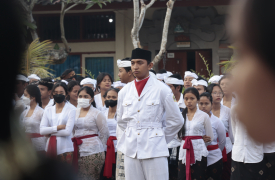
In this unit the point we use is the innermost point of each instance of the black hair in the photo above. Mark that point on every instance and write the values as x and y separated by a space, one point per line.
70 86
65 73
162 71
88 91
225 76
194 91
34 91
60 84
151 70
127 69
111 89
201 78
258 31
208 95
79 78
68 80
46 82
211 87
100 78
177 76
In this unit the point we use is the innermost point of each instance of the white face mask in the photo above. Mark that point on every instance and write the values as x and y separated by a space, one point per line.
83 103
26 101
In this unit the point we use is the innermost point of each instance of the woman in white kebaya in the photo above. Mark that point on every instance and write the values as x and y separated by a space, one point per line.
90 136
111 97
57 123
214 158
228 99
223 113
188 77
248 159
104 82
193 152
73 88
31 117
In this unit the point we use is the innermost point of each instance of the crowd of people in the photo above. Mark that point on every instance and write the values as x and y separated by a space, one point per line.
147 126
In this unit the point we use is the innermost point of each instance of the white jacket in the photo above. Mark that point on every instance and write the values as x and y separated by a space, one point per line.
141 120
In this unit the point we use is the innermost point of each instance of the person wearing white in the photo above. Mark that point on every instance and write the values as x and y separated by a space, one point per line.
162 75
90 136
197 124
248 160
88 82
33 77
201 85
57 123
118 84
104 82
226 84
141 105
21 83
125 75
223 113
45 86
214 158
31 117
175 82
188 77
215 79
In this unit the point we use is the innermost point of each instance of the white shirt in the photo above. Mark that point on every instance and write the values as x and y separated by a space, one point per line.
49 124
98 103
176 141
141 120
112 125
269 147
245 149
233 101
200 125
226 120
50 104
32 125
219 133
93 123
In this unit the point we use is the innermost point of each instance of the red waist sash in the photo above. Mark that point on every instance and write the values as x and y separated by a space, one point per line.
52 151
224 155
212 147
77 141
110 157
190 157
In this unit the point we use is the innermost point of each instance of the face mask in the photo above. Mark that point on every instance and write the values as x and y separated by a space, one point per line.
111 103
83 103
59 98
26 101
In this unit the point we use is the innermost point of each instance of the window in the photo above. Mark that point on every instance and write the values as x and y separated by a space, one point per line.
100 64
78 27
72 62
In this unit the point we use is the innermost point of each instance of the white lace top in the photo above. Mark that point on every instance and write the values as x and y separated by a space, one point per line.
226 120
200 125
112 125
93 123
32 125
98 102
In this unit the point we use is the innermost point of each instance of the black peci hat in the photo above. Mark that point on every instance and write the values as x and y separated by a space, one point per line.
141 54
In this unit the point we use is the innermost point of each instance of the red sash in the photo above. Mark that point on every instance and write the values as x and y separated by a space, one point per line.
190 157
34 135
224 155
110 157
52 151
77 141
212 147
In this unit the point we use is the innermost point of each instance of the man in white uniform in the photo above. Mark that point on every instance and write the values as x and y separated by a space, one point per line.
141 105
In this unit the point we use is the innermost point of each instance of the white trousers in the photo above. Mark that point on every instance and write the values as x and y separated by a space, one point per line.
146 169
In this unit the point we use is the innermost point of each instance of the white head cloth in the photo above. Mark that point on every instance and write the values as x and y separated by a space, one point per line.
199 82
190 74
33 76
88 81
172 80
118 84
22 78
64 81
123 63
162 76
152 75
169 73
215 79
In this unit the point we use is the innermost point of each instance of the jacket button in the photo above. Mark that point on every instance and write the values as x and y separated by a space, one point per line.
138 110
138 99
152 103
126 104
156 134
138 133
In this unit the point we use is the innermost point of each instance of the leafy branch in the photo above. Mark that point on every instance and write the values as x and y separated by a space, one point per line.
89 73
